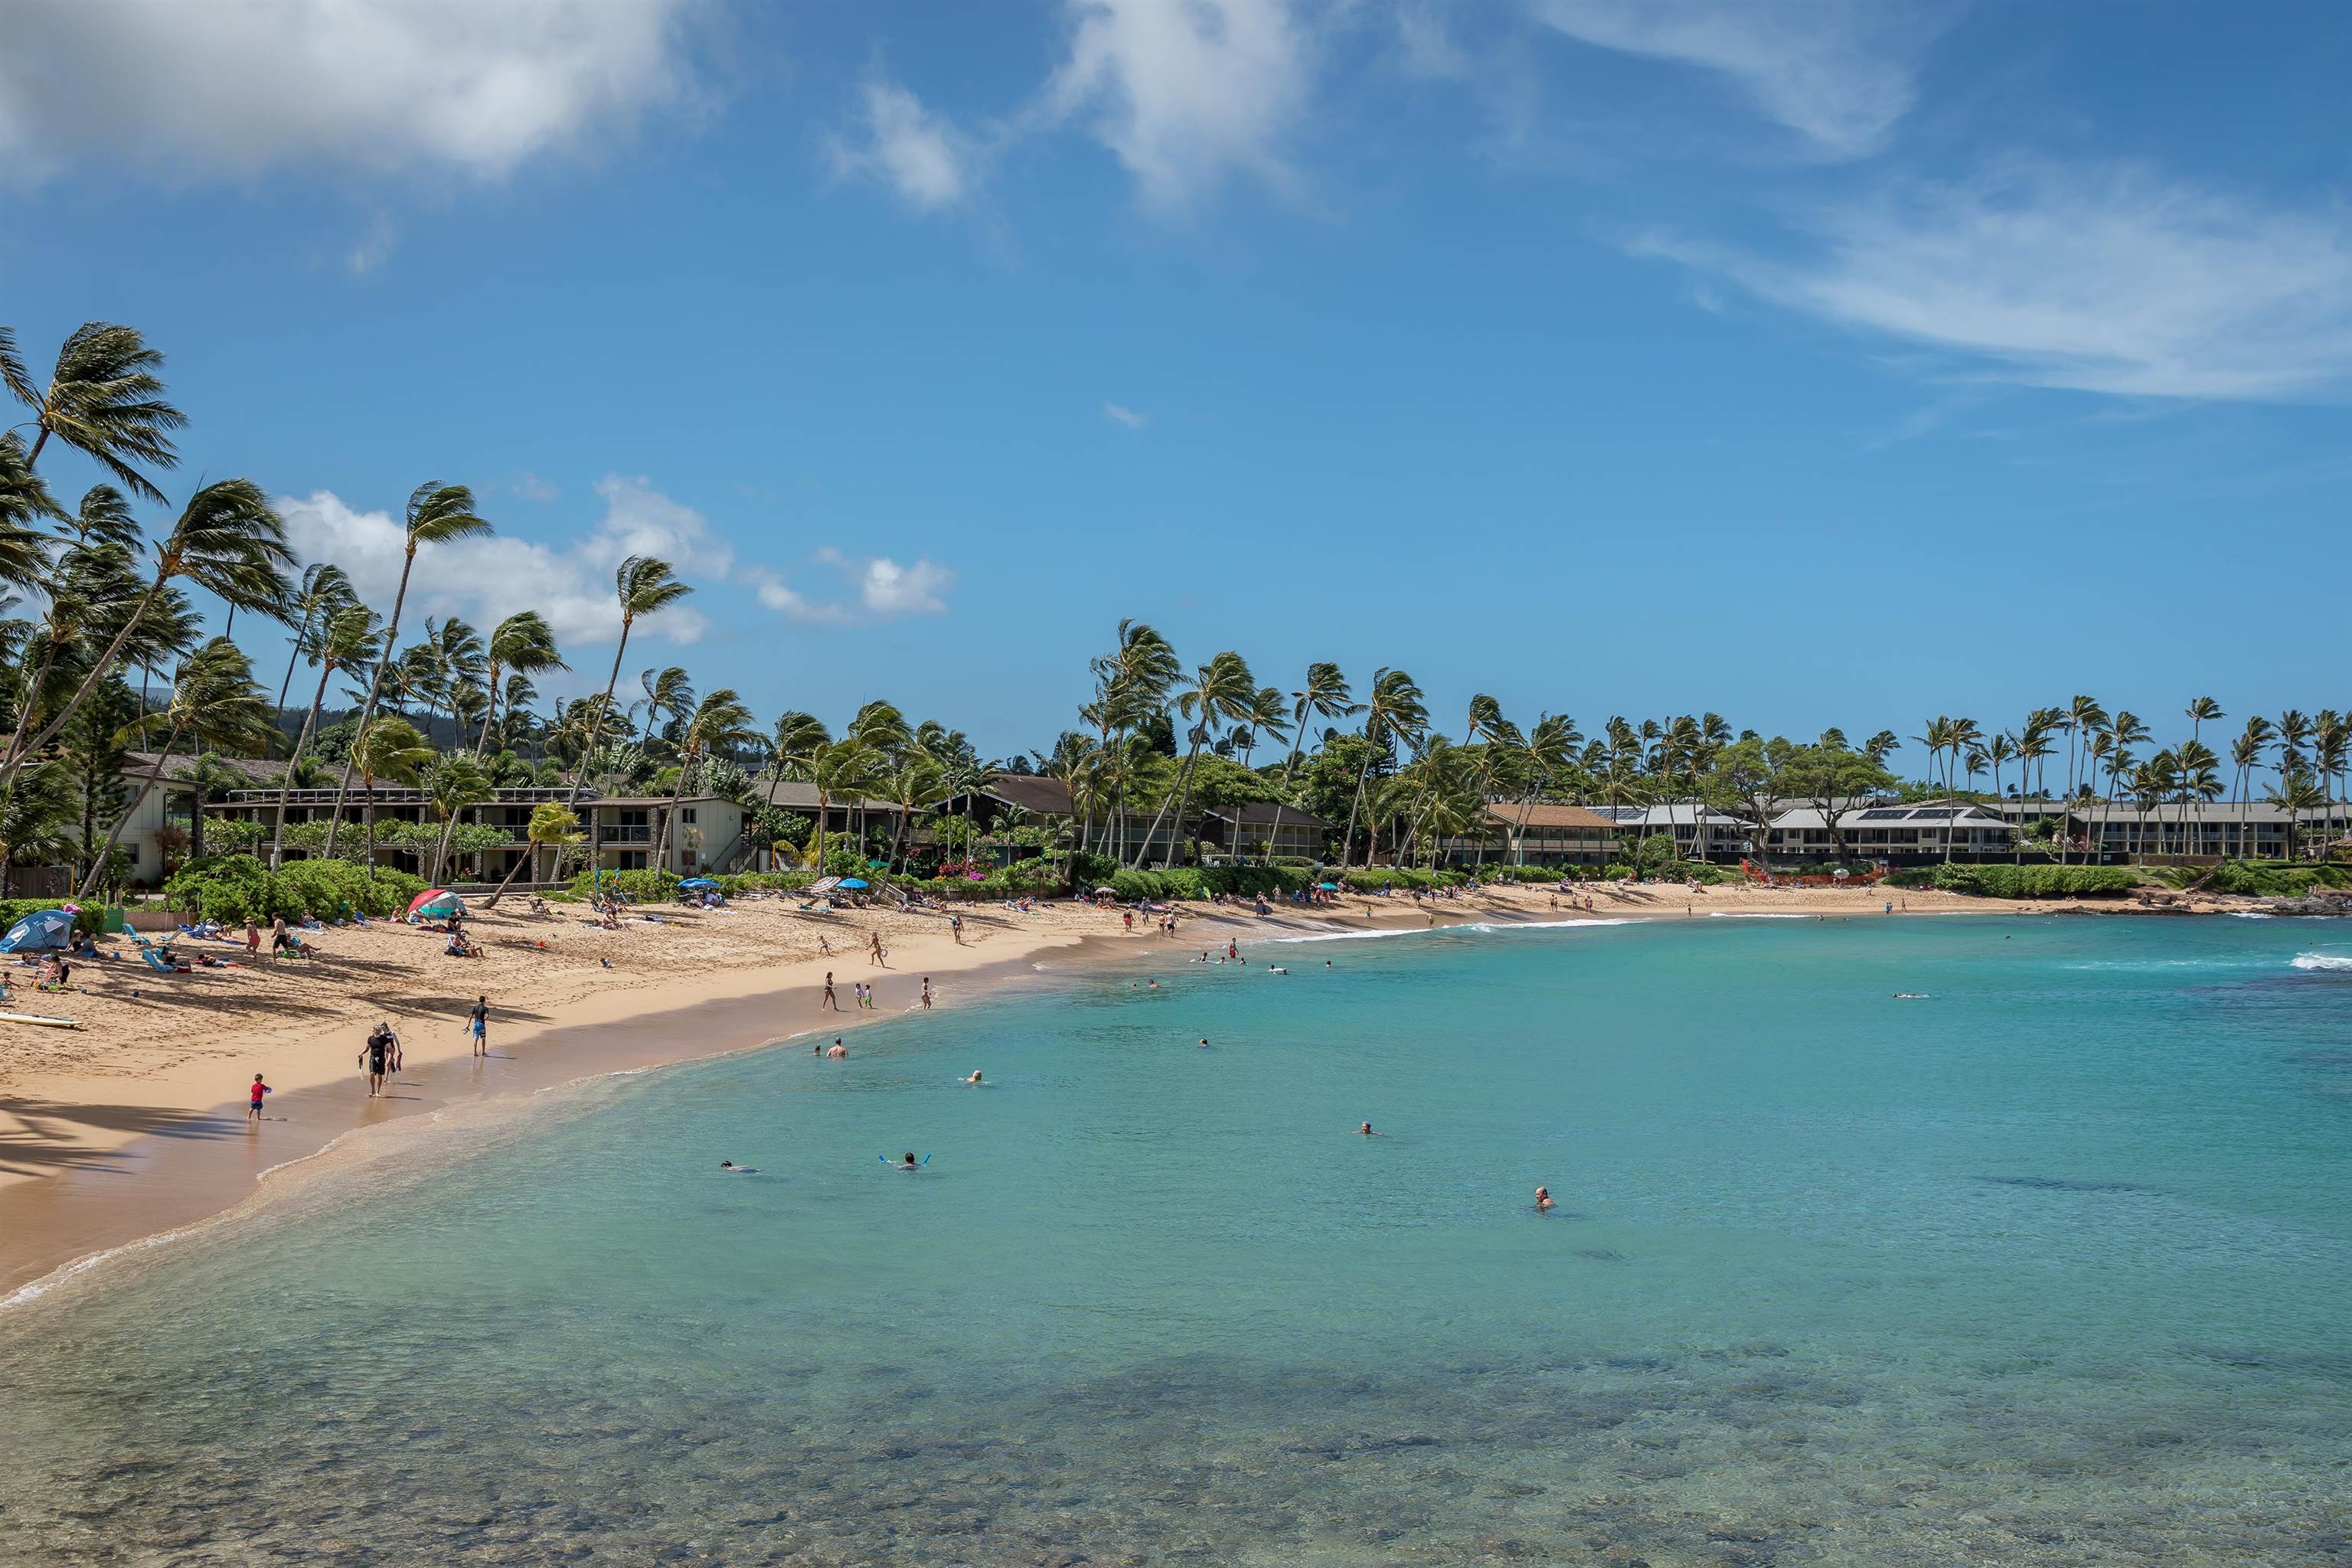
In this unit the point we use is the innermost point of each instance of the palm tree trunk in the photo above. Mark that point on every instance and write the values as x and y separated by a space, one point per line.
596 730
19 749
490 712
1348 844
1183 794
367 714
99 862
286 780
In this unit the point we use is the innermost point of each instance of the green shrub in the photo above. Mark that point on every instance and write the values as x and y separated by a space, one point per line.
651 884
233 889
1999 881
85 923
2257 878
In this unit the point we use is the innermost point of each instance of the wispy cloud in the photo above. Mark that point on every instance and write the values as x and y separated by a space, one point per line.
1840 73
1119 413
373 247
2111 279
918 155
532 486
1187 95
234 86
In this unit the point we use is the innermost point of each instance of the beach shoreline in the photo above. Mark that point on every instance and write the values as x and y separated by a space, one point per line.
94 1164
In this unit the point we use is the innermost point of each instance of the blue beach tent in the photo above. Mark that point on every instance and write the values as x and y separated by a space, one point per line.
40 932
698 882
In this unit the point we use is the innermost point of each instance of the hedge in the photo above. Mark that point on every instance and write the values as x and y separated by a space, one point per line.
233 888
86 924
2258 878
1998 881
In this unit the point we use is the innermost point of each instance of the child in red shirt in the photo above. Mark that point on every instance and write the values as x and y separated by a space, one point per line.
253 1112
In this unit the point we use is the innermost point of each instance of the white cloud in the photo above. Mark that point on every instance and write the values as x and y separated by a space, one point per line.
2113 280
233 87
891 589
925 160
1838 72
883 587
532 486
486 579
1121 414
1186 91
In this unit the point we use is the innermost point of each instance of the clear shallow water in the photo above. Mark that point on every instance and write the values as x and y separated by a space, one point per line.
2050 1269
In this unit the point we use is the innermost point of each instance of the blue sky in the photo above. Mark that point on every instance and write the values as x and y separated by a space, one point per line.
1811 363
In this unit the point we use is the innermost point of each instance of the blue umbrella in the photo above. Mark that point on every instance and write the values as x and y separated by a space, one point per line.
698 882
852 882
39 932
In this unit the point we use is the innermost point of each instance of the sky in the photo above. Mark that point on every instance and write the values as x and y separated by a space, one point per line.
1813 364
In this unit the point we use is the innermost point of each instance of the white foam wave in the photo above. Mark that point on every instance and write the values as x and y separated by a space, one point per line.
2252 915
1753 915
2325 960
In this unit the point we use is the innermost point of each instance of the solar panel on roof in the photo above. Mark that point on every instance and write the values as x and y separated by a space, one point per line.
1936 813
1884 815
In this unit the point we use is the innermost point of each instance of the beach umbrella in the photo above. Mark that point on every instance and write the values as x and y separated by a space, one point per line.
699 882
436 903
853 881
1099 891
824 884
43 931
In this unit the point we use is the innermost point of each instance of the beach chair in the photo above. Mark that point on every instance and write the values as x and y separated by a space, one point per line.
157 962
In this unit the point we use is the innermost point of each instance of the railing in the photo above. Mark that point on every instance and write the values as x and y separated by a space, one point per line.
625 836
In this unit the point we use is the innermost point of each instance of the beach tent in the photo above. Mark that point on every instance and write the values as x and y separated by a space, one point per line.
852 882
43 931
699 882
1326 887
436 904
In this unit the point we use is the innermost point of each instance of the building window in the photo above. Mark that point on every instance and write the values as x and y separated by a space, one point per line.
686 814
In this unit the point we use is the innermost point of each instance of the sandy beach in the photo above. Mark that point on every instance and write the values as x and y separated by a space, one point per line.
136 1123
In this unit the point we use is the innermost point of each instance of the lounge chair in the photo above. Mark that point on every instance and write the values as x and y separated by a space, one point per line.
158 961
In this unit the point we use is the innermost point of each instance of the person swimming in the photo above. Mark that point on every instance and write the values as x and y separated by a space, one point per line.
1367 1131
907 1161
732 1169
1543 1200
1205 1042
975 1077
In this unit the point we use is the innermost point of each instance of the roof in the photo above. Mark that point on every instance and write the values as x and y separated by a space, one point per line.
637 800
1680 813
1543 813
1030 792
260 770
1920 813
800 794
1260 812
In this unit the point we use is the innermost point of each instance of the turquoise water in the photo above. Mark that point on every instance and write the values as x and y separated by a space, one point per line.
2050 1268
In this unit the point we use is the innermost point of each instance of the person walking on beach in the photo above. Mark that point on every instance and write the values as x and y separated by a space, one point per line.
477 1024
1126 919
874 943
831 1000
927 993
955 929
253 1111
376 1058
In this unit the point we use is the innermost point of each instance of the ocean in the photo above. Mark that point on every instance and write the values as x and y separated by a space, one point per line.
2047 1266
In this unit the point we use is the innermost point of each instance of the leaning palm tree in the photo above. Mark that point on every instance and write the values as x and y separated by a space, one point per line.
213 693
845 768
1261 717
453 784
642 585
1325 696
521 646
554 826
719 723
437 514
668 691
1395 712
2295 793
104 400
918 783
324 590
394 751
346 638
1219 694
229 542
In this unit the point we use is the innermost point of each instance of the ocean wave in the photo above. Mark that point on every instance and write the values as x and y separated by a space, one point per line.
2332 963
2252 915
1754 915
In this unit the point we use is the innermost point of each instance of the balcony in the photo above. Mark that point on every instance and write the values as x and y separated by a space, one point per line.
633 834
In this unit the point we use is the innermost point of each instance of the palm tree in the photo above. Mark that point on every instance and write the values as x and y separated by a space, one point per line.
324 590
1325 696
520 647
452 785
1395 712
918 783
554 826
1137 678
213 693
438 513
346 638
1220 692
392 750
846 767
229 542
2199 709
104 400
2295 793
1262 716
642 585
2293 730
2194 766
2246 755
1999 751
719 723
